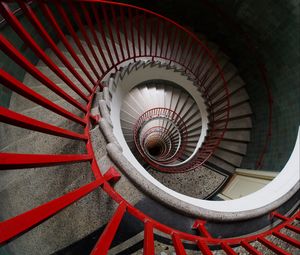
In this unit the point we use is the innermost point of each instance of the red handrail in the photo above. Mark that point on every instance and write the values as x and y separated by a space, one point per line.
262 69
15 226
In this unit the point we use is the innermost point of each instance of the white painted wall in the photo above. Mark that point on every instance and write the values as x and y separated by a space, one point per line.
149 73
282 184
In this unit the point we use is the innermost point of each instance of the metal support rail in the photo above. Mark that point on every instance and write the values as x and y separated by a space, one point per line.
110 60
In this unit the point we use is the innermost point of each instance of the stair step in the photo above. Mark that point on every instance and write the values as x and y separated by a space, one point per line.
229 157
228 168
240 123
241 110
243 136
52 76
240 148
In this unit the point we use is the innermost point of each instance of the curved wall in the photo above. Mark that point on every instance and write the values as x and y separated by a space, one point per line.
270 28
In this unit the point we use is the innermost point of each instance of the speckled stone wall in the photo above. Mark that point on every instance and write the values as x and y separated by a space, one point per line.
272 28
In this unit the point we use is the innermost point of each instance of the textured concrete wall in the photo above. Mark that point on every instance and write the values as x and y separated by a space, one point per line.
273 25
272 29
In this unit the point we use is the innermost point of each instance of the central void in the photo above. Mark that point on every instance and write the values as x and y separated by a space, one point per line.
161 123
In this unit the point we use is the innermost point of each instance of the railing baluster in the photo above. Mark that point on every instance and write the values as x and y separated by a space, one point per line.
287 239
157 35
174 43
138 24
111 36
117 28
18 27
227 249
20 161
179 248
170 32
272 246
194 66
72 32
250 248
148 239
178 47
183 49
109 232
293 228
16 119
187 54
131 32
13 161
200 225
201 65
44 34
151 37
194 50
162 46
123 22
92 28
101 30
25 221
47 12
279 216
82 29
145 33
12 52
12 83
204 248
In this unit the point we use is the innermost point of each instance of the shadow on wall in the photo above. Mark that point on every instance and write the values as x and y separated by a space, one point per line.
271 28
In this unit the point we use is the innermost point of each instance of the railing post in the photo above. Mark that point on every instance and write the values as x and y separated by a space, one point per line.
148 238
179 248
103 244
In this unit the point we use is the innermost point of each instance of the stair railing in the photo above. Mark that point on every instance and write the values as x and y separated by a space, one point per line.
116 43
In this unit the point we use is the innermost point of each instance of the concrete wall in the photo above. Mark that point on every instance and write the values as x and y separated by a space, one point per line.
272 29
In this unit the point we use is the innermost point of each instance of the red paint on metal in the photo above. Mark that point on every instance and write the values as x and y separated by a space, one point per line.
293 228
113 175
16 119
78 43
49 15
204 248
272 246
82 29
20 30
148 239
109 232
19 161
12 83
250 248
28 160
227 249
287 239
13 53
44 34
200 225
179 248
25 221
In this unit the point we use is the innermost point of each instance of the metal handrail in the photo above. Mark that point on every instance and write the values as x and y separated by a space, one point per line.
14 227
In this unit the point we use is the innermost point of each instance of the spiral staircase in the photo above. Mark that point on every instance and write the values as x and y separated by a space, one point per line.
123 124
